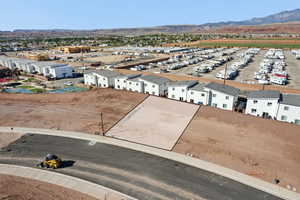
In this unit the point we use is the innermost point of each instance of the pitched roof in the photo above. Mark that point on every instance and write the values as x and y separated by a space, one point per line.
198 87
223 88
290 99
155 79
107 73
264 94
128 76
183 83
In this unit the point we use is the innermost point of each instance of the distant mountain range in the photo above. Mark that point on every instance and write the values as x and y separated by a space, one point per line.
283 22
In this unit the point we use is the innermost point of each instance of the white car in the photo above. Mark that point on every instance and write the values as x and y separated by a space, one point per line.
69 83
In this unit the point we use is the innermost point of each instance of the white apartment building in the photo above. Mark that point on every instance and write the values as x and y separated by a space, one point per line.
198 95
101 78
121 81
155 85
289 109
263 103
222 96
178 90
135 85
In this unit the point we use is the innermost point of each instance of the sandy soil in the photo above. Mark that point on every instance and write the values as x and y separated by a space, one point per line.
7 138
17 188
73 111
262 148
157 122
108 59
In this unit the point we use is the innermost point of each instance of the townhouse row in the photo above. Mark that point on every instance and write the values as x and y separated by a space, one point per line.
267 104
47 69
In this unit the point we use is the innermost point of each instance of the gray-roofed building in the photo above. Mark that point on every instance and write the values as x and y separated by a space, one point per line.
135 85
121 81
289 109
198 95
263 103
155 85
101 78
178 90
223 88
264 94
222 96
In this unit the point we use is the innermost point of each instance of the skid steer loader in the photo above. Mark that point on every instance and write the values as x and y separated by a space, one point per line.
51 161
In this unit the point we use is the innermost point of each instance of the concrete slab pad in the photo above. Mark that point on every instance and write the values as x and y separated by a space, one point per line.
157 122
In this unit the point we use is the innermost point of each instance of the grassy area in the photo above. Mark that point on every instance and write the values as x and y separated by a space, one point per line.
26 87
38 90
249 45
29 80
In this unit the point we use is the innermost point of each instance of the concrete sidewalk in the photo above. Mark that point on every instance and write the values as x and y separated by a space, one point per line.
69 182
236 176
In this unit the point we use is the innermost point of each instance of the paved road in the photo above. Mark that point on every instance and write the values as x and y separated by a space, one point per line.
136 174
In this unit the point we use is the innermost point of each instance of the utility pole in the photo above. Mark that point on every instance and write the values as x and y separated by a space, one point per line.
225 75
102 125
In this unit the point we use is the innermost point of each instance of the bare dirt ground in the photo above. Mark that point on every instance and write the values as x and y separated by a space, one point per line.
71 112
17 188
261 148
108 59
7 138
157 122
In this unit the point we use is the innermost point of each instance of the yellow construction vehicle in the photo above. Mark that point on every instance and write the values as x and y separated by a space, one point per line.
51 161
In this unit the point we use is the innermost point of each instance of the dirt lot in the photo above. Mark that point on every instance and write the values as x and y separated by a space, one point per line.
72 111
262 148
108 59
157 122
17 188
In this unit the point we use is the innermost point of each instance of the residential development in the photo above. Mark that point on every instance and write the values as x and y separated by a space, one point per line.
265 103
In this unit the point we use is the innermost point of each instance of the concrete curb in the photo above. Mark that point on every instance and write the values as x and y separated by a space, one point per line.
69 182
231 174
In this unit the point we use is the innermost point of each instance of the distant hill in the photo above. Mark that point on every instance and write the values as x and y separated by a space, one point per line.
283 22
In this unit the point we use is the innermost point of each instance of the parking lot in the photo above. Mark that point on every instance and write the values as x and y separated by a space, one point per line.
246 74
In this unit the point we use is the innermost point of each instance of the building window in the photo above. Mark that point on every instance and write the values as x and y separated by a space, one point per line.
227 97
269 104
153 86
286 108
153 93
173 96
202 94
129 83
253 110
183 90
118 80
214 95
192 93
283 118
224 105
136 84
255 101
215 105
124 81
104 79
145 85
173 89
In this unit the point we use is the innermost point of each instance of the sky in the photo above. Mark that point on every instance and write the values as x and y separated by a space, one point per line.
99 14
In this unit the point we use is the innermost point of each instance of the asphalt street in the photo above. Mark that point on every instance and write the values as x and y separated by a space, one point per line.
136 174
